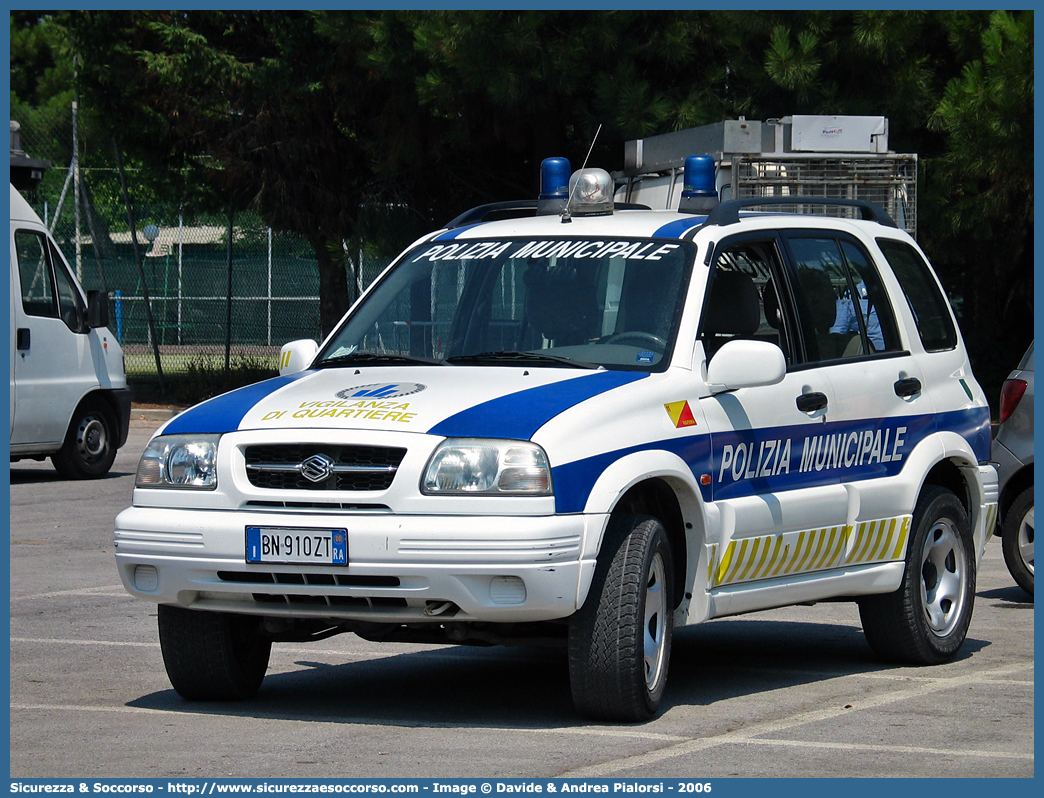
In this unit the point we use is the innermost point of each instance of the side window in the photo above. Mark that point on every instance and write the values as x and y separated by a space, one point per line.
70 304
34 271
929 306
868 300
842 306
744 299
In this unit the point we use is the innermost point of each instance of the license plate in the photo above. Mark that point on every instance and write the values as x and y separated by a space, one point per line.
304 546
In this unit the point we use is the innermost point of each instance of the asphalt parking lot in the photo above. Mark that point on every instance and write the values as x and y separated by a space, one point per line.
792 692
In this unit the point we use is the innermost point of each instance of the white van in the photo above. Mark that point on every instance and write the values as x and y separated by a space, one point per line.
69 396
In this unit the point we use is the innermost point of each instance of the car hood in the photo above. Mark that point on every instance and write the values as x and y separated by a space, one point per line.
449 401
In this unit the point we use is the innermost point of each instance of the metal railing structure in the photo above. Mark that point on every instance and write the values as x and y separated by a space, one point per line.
185 262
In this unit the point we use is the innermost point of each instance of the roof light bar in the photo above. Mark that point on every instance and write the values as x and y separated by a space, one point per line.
554 185
699 194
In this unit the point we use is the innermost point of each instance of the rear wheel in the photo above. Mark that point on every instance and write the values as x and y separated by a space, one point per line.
925 621
212 656
90 443
1017 540
620 641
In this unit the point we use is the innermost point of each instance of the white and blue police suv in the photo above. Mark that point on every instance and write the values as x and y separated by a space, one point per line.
575 423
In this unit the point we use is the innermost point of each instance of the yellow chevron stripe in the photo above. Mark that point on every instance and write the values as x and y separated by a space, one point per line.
766 562
881 551
781 560
831 551
726 559
750 561
808 550
900 544
992 511
738 560
798 548
866 533
881 535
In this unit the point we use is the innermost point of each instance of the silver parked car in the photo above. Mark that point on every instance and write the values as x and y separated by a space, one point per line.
1013 450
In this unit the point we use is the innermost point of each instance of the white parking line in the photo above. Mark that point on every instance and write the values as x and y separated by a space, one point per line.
107 590
82 642
752 733
898 749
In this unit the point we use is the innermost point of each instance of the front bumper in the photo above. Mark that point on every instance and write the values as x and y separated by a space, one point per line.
402 568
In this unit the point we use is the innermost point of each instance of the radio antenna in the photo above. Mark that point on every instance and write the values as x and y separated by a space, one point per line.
566 218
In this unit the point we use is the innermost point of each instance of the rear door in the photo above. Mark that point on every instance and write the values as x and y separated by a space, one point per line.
795 462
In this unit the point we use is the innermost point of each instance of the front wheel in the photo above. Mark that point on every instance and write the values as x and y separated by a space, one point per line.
89 448
925 621
212 656
1017 539
620 640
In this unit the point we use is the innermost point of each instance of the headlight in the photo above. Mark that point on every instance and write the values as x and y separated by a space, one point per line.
488 467
179 461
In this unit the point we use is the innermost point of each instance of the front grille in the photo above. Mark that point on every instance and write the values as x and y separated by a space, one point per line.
283 466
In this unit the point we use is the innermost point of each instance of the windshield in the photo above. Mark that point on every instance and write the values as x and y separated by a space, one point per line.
610 303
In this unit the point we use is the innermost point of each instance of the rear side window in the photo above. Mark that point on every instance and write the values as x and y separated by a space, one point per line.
930 309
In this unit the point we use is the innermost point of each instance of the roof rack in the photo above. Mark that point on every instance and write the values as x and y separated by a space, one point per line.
512 209
727 212
517 209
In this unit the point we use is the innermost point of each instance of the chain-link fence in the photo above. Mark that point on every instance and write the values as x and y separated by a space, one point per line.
209 296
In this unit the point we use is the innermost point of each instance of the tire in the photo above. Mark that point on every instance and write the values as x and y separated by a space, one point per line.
620 640
89 448
212 656
925 621
1017 539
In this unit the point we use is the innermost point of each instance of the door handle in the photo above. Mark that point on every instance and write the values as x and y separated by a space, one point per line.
808 402
907 387
23 339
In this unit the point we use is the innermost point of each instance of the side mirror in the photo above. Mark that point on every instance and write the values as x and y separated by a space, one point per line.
745 364
297 356
97 309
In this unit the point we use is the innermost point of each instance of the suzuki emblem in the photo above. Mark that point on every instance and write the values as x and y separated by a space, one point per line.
317 468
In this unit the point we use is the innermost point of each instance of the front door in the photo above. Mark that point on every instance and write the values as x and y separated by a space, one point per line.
52 362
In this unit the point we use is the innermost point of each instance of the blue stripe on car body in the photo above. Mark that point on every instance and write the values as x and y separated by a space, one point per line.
224 413
815 456
678 228
449 235
519 415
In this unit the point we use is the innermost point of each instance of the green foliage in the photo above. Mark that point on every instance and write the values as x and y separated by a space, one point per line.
980 198
203 378
41 64
349 126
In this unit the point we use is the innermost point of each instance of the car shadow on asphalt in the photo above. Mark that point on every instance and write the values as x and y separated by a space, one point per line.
522 688
1013 596
42 476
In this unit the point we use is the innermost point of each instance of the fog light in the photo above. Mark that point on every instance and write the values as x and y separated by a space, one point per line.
146 578
507 590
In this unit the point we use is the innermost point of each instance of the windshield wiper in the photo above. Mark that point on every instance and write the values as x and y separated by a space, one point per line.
374 359
531 358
